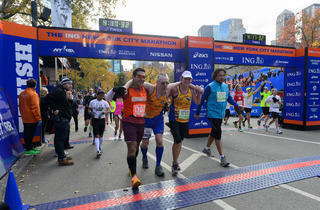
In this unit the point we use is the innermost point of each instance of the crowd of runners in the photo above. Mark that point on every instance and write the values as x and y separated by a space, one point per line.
138 110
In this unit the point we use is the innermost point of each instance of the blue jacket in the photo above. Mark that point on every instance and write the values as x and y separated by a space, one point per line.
216 95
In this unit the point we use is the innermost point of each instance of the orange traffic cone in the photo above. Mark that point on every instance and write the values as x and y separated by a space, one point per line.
12 197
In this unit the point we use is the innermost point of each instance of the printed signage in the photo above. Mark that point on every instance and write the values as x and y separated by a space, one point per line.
10 144
200 63
67 43
115 26
241 54
313 88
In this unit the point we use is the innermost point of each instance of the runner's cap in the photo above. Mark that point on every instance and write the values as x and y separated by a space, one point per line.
186 74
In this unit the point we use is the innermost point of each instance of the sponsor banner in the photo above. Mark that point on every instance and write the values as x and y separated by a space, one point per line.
200 42
313 87
10 144
200 63
241 54
252 59
293 92
110 46
91 39
21 64
62 49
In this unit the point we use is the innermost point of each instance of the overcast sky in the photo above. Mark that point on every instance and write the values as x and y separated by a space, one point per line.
184 17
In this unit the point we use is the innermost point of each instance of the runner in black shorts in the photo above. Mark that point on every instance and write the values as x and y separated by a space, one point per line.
98 108
87 115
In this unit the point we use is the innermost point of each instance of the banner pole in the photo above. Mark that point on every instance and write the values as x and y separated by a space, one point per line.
56 68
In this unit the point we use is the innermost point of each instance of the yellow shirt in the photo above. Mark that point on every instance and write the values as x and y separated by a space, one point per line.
182 105
155 105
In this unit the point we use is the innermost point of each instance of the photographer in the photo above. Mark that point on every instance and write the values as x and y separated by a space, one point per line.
274 101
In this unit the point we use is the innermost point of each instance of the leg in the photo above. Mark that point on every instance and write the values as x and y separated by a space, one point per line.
248 118
29 131
176 149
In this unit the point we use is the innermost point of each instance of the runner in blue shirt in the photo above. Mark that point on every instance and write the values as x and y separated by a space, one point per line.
216 94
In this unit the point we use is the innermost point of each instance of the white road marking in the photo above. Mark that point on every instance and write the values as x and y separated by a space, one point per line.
293 189
284 138
189 161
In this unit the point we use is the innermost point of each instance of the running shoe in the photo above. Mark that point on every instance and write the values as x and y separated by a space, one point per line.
259 122
240 130
224 162
115 134
36 149
225 123
267 127
250 126
235 124
279 132
207 152
159 171
99 153
175 169
145 163
31 152
135 181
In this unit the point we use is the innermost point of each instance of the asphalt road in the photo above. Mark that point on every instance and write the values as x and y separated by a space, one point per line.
44 181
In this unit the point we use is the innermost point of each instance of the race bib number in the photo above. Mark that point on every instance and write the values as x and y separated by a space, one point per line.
147 133
221 96
139 110
184 114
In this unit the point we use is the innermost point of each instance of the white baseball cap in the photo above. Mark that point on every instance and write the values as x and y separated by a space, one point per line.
186 74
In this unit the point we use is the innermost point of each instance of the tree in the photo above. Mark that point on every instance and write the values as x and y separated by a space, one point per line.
96 71
301 31
82 12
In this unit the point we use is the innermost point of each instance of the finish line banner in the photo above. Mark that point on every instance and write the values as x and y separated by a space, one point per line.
68 43
10 144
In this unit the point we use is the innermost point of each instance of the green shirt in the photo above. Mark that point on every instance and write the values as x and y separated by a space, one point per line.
113 106
264 97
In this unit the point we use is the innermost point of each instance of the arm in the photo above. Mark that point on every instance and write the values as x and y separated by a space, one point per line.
262 84
196 97
204 97
171 87
35 107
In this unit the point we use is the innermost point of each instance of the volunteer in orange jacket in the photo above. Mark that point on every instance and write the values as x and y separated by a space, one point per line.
29 107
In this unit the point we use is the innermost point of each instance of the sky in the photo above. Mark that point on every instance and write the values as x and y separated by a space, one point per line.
180 18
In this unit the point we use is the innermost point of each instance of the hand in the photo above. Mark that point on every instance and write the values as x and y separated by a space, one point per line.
196 117
56 112
39 123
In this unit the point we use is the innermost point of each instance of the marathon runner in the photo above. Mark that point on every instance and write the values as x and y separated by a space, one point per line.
98 109
180 112
87 117
248 99
134 102
216 94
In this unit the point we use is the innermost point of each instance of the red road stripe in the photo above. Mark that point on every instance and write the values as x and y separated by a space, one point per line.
188 187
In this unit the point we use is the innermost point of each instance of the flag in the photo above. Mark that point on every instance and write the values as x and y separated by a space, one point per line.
65 63
61 13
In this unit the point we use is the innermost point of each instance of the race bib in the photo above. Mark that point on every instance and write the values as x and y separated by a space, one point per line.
139 110
221 96
184 114
147 133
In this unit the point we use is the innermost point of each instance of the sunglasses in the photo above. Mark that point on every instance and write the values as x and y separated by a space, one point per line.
141 76
164 83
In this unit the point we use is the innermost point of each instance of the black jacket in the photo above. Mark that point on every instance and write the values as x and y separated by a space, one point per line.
57 100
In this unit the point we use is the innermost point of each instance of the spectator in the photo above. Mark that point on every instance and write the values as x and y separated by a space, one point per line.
63 113
29 107
44 109
44 79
